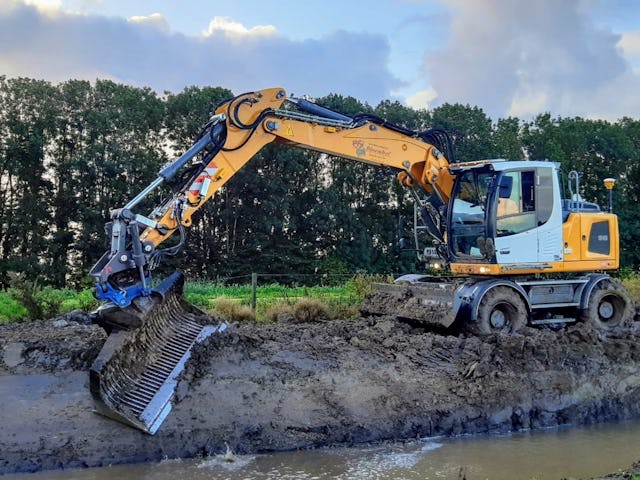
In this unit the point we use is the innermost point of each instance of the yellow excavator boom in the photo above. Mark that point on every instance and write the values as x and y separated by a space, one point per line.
255 119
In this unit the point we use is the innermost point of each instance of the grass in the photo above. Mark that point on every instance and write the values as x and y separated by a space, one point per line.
302 302
10 309
233 302
27 303
632 284
202 293
21 305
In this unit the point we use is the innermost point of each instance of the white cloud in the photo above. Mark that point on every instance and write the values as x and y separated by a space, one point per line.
50 7
421 99
233 56
228 26
45 5
156 20
527 57
629 44
526 102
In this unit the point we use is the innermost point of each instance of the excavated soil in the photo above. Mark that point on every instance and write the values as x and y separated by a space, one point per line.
302 385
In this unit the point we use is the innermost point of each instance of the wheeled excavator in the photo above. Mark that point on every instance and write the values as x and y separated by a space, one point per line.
518 253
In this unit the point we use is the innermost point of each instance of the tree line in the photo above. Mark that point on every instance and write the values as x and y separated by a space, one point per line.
71 152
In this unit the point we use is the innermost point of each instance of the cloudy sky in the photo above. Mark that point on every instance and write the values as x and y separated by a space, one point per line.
510 57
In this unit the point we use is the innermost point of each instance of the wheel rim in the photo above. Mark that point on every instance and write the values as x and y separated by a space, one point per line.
606 310
498 319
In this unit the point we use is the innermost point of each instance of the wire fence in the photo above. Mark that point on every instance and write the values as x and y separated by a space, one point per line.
261 291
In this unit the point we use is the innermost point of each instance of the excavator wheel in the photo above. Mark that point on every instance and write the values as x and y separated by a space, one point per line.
609 307
501 310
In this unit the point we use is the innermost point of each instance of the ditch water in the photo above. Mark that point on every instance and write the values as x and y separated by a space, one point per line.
552 454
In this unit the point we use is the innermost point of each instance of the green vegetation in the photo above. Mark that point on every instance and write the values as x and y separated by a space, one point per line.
232 302
302 302
71 152
26 302
632 284
20 304
10 309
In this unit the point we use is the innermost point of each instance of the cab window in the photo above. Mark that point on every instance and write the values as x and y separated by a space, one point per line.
468 218
517 212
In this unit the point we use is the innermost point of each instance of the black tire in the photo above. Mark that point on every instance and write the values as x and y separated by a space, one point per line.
501 310
609 307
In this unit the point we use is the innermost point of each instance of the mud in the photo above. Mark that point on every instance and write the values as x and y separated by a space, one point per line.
69 342
631 473
428 305
289 386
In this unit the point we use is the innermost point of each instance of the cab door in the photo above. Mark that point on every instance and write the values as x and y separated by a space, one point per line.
523 233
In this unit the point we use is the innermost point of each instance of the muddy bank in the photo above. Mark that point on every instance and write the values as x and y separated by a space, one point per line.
631 473
288 386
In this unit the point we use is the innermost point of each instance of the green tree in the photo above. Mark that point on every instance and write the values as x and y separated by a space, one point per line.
67 155
469 129
122 128
28 116
506 139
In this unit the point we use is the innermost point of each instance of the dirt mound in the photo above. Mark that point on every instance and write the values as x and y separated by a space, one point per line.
288 386
366 380
68 342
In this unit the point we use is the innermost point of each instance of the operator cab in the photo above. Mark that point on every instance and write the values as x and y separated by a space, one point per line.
505 212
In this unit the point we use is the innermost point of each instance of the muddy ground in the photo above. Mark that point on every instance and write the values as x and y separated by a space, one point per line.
290 385
631 473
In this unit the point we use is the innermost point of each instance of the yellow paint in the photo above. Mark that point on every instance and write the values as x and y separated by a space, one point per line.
575 233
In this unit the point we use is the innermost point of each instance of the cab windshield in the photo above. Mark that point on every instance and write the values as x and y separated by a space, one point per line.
469 213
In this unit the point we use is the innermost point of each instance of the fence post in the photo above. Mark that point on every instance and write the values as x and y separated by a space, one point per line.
254 292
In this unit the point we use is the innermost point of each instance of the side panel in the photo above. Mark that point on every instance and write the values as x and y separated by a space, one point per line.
571 232
591 242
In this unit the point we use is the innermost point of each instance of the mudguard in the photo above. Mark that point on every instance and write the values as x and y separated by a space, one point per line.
470 294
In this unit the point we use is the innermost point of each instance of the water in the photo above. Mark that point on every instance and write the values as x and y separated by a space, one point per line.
542 455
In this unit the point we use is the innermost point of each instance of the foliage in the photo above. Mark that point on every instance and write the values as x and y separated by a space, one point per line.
310 310
10 309
24 292
199 292
50 301
232 311
233 301
632 284
38 302
72 152
83 300
274 311
360 285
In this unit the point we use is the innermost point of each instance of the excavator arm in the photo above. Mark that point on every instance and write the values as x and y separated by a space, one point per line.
152 330
238 130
